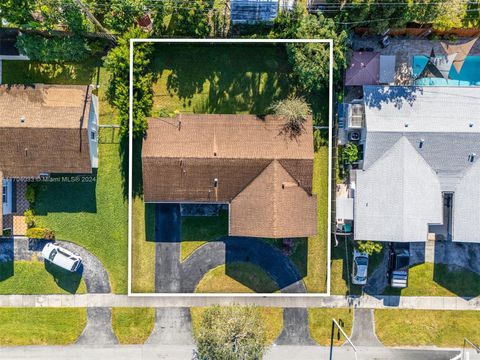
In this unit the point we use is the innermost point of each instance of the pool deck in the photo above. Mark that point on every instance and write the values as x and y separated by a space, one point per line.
404 49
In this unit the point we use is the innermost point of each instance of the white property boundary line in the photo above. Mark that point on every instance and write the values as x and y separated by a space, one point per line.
130 161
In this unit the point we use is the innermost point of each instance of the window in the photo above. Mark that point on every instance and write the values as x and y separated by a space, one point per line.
4 193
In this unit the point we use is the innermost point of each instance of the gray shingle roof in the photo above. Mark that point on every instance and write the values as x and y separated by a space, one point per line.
442 127
397 197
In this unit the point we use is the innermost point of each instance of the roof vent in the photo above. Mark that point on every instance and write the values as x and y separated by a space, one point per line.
471 157
215 183
470 125
406 125
420 144
22 119
26 152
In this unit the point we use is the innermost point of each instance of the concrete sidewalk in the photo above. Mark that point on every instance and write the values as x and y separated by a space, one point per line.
364 302
180 352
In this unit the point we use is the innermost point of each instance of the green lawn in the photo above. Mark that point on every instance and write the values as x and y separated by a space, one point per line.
426 327
198 230
93 215
272 317
237 277
32 277
317 262
133 325
219 79
41 326
437 280
320 323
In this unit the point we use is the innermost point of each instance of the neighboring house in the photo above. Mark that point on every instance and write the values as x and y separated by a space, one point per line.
420 174
45 129
241 160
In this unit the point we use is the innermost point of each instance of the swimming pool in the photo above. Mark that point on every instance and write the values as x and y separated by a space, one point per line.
469 75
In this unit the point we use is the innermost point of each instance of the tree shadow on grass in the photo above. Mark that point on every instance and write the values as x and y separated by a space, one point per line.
460 281
232 78
69 193
68 281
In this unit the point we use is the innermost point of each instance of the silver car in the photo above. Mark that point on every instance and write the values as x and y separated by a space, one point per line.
359 268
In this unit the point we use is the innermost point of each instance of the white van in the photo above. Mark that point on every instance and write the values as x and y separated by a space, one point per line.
61 257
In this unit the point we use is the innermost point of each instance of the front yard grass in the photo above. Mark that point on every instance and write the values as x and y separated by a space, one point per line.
198 230
237 277
426 327
133 325
41 326
429 279
320 323
272 318
31 278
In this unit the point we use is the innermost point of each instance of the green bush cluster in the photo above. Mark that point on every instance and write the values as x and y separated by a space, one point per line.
40 233
29 218
31 193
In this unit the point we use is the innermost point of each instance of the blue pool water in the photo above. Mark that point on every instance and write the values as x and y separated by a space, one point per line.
469 75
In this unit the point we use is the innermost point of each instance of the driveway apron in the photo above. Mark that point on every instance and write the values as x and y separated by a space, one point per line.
363 332
99 328
173 326
295 328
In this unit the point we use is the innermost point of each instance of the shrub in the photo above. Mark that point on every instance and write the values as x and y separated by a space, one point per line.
231 332
369 247
31 193
40 233
350 153
29 218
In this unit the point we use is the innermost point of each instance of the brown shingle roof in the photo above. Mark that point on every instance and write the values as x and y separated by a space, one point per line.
273 206
43 128
247 158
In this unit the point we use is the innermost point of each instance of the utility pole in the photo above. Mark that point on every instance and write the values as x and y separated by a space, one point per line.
94 19
335 324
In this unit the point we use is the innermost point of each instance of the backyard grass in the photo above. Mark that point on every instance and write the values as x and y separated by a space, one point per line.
41 326
31 277
133 325
272 318
320 322
426 327
90 214
429 279
236 277
198 230
221 79
143 247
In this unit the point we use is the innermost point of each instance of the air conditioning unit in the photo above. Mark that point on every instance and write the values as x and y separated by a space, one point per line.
354 136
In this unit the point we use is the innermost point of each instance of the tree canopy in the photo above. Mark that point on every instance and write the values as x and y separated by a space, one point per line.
231 333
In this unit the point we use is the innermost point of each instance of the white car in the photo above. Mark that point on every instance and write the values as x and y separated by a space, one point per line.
61 257
360 268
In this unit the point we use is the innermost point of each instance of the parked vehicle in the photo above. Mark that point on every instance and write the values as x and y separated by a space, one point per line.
61 257
398 263
359 268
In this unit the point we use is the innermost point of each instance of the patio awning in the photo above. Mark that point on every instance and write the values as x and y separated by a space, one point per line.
364 69
344 209
437 66
387 69
460 50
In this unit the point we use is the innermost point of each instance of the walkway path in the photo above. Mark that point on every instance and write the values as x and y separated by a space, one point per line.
154 352
366 302
363 332
240 249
